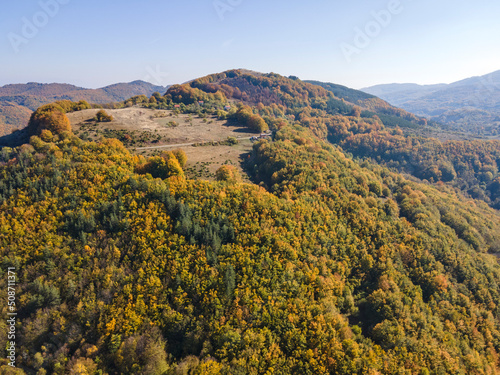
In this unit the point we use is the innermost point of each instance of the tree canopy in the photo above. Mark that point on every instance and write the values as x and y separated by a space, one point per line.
328 262
51 117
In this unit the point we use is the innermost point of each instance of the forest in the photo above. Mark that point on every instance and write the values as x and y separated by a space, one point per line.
367 127
357 248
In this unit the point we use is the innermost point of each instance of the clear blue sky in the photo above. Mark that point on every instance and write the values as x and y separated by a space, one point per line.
94 43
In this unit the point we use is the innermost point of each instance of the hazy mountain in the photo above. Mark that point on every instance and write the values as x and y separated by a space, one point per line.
472 104
399 93
17 101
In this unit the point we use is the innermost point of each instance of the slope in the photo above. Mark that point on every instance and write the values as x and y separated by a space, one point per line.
471 166
373 105
470 105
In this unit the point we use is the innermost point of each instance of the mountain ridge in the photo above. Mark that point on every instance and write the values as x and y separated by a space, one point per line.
26 88
18 100
471 104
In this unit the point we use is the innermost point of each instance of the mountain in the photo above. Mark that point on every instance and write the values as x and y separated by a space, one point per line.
401 92
392 140
17 101
374 105
352 249
471 105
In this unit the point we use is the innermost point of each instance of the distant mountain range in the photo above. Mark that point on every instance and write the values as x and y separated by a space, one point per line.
17 101
472 104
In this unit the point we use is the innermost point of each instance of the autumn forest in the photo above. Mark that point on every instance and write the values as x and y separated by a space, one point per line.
359 241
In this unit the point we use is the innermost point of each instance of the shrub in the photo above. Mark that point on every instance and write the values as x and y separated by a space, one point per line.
102 116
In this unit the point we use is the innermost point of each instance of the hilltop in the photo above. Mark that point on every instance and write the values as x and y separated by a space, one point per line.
208 141
391 136
471 105
17 101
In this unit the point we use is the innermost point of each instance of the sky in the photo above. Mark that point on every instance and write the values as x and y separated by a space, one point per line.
359 43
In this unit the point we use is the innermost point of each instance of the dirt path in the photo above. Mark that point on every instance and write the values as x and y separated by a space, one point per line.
177 145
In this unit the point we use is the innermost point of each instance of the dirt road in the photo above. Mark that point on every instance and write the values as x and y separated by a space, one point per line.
178 145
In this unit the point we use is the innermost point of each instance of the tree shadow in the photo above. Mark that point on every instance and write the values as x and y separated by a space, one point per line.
15 139
236 126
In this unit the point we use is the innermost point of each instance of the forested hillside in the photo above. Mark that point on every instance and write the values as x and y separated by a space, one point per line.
371 105
389 139
327 263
